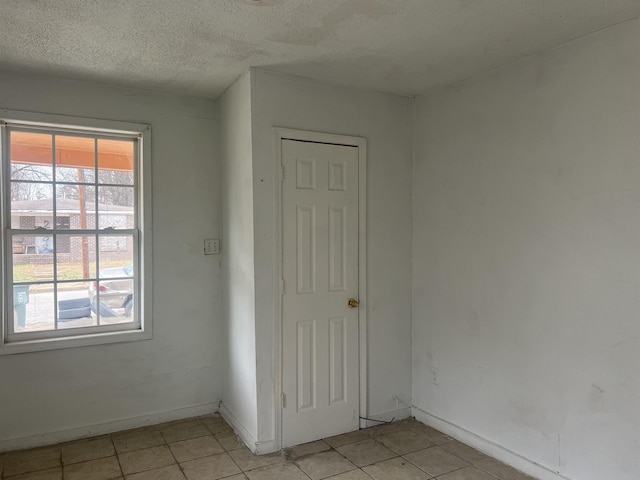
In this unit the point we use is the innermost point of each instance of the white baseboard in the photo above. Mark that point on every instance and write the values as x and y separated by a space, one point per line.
77 433
265 446
247 438
486 446
388 416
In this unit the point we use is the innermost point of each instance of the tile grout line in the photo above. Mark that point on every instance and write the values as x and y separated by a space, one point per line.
225 451
173 455
115 452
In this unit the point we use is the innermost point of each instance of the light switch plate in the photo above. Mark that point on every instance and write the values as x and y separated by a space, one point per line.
212 247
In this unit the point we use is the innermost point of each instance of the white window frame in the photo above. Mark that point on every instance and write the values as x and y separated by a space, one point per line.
47 340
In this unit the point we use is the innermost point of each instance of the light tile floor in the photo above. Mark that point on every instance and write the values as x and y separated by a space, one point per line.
206 448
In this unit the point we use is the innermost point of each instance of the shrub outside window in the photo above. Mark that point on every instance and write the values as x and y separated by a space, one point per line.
74 223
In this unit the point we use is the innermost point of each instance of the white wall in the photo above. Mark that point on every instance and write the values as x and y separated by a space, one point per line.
178 372
287 101
526 284
239 385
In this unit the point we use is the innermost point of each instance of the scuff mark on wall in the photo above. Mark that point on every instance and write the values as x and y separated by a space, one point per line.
559 455
528 415
596 398
620 343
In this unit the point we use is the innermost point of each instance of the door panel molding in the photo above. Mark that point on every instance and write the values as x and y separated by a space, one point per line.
336 181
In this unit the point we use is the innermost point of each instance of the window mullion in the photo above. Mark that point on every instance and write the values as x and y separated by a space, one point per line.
5 296
8 286
97 236
55 237
137 215
105 232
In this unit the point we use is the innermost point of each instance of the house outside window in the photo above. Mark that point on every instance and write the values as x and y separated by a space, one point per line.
75 231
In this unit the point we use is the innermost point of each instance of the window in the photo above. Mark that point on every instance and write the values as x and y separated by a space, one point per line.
74 232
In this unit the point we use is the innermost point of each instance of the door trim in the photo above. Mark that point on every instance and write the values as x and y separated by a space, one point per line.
319 137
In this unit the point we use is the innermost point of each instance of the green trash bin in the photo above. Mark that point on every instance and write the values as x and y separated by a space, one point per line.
20 300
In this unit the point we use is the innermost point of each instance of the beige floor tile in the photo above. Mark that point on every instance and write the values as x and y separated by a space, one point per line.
404 441
277 472
216 424
31 460
195 448
210 468
199 446
324 464
137 439
229 441
468 473
171 472
101 469
366 453
48 474
429 433
501 470
465 451
352 475
84 450
248 461
346 438
396 468
147 459
307 449
184 430
436 460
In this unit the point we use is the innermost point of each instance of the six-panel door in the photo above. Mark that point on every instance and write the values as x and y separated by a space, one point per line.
320 269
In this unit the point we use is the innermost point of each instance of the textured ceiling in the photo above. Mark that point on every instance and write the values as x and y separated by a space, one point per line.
198 47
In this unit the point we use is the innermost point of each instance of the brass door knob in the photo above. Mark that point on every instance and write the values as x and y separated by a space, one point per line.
353 303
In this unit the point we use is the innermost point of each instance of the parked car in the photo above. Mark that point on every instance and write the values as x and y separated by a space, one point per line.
116 293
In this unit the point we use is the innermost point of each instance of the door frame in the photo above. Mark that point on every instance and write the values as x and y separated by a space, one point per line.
335 139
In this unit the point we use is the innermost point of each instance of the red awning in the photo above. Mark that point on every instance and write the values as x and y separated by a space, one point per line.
73 152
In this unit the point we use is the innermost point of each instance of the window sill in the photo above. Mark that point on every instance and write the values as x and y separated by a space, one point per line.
28 346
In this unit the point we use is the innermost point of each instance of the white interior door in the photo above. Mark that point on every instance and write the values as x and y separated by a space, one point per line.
320 371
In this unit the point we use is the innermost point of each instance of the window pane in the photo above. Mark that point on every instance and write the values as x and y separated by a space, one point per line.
115 161
116 301
75 159
116 251
69 201
29 265
31 156
115 207
31 205
74 305
33 307
76 257
75 152
75 175
34 249
116 273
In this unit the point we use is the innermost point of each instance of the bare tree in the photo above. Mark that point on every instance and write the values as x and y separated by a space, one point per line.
32 173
